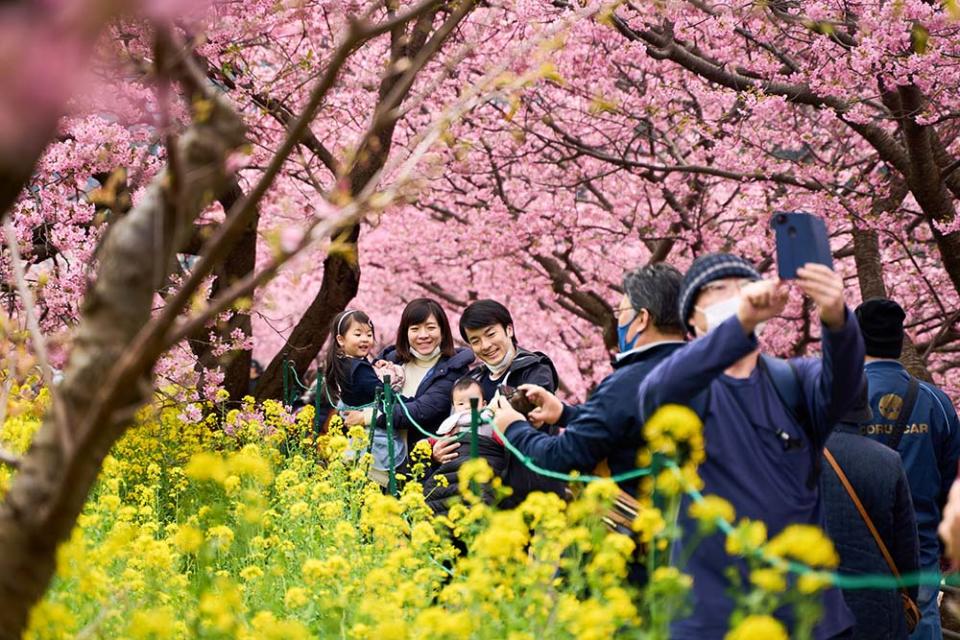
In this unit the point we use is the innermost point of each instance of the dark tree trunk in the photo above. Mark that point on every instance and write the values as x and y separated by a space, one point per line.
240 262
866 253
341 279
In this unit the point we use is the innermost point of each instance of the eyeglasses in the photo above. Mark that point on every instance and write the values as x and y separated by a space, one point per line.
724 287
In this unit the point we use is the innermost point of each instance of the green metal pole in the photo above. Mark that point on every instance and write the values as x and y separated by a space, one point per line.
474 426
388 400
286 382
377 399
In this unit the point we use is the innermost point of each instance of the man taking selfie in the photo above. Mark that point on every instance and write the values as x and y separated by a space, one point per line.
765 420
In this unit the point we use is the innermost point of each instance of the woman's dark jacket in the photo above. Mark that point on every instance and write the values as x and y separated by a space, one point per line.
431 403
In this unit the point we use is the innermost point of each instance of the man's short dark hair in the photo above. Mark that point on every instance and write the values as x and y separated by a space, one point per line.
656 288
464 383
485 313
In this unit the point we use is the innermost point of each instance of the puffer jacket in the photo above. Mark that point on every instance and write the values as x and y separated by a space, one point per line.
440 497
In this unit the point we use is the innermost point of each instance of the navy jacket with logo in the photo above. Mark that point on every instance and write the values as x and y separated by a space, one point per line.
930 446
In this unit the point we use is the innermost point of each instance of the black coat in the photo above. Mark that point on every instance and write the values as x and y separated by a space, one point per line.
528 367
438 497
877 475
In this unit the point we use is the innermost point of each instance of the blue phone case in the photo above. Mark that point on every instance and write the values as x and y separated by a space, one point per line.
801 238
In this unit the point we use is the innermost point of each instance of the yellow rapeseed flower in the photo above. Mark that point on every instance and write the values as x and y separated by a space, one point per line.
711 509
813 582
221 537
475 470
251 572
152 624
805 543
757 627
296 597
206 466
188 539
267 627
668 581
648 523
748 537
249 463
769 579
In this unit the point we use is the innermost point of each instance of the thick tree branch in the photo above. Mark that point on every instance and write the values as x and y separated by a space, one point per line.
48 492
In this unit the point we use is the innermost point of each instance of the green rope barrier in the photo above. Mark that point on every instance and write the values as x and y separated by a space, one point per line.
842 581
290 376
421 429
556 475
839 580
294 376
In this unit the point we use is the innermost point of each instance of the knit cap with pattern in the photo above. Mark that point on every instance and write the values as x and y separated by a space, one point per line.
706 269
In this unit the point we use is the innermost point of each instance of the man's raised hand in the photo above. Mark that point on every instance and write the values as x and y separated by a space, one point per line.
825 288
761 301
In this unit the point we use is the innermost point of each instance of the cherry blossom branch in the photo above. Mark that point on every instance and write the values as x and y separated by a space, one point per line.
239 215
148 344
662 45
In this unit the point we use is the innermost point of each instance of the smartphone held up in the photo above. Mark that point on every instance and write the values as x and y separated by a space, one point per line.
801 238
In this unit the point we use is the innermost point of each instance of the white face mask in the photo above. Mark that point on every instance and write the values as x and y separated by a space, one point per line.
759 329
504 364
428 357
718 312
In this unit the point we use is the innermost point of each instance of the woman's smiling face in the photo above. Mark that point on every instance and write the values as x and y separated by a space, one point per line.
425 336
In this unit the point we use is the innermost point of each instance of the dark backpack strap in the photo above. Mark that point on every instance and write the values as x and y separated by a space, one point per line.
786 382
906 409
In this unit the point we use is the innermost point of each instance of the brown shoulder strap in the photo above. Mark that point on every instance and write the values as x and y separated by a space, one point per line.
863 512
